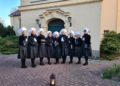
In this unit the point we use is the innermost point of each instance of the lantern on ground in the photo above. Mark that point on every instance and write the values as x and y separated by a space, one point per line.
52 80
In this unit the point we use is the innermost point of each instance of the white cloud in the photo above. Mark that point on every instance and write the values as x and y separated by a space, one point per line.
7 22
1 20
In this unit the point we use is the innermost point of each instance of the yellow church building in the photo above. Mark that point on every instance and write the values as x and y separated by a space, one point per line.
98 15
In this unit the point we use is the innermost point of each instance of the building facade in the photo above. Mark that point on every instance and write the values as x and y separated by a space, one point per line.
98 15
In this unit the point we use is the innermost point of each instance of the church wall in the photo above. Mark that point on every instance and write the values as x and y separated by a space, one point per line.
118 17
41 2
32 2
15 22
109 16
25 2
83 15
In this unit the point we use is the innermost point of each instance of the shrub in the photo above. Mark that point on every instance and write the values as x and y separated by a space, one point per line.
9 45
112 73
110 45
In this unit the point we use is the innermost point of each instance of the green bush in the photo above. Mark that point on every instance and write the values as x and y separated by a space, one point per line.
9 45
110 45
112 73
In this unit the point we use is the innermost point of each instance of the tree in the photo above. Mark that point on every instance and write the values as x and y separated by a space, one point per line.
6 31
2 21
2 30
10 30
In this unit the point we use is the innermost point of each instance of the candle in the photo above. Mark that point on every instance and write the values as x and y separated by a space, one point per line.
53 82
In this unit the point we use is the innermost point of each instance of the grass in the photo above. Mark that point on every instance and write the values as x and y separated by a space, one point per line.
9 45
112 73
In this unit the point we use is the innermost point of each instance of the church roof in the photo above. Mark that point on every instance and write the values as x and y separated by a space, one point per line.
15 13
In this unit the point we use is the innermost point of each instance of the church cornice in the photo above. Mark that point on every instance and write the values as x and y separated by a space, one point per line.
55 4
46 1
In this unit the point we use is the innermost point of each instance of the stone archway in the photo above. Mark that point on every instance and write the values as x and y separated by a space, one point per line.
55 25
54 14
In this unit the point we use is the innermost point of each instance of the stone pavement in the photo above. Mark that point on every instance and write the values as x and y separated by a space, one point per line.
66 74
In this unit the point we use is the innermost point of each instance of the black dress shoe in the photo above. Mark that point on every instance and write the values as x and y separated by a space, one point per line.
49 63
63 63
23 66
70 62
42 64
85 64
78 63
56 62
33 66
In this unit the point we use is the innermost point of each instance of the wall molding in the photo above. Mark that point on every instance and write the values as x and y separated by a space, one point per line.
55 4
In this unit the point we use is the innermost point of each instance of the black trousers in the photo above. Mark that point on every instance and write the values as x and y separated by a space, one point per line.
33 61
41 60
79 59
86 59
23 62
57 60
48 59
64 59
71 58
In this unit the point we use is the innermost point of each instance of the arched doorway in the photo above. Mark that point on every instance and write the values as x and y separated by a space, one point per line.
55 25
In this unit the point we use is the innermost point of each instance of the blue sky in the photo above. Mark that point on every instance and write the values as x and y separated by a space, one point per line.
6 6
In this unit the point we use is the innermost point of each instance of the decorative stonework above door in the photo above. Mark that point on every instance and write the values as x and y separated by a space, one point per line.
52 14
52 11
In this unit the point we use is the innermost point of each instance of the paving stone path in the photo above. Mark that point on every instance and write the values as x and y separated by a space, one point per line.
66 74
